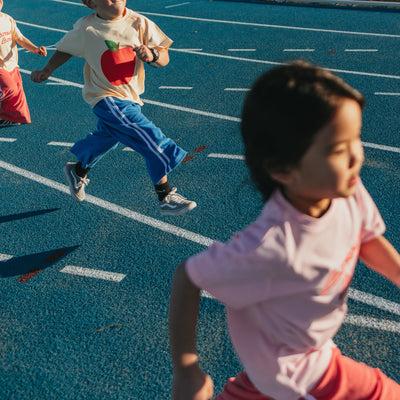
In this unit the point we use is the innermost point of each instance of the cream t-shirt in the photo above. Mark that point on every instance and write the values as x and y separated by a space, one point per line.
112 68
9 34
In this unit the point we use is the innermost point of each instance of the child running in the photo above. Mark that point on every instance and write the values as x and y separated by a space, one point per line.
13 105
284 279
116 43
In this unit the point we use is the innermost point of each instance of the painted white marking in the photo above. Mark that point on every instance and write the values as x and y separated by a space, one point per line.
357 295
212 115
278 63
10 140
192 111
93 273
127 149
236 90
375 301
248 23
365 144
177 5
5 257
299 50
361 50
69 2
125 212
367 322
42 27
382 147
65 144
176 87
386 94
374 323
241 49
61 81
228 156
191 49
299 28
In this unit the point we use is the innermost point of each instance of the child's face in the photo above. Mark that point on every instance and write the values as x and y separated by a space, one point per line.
108 9
330 168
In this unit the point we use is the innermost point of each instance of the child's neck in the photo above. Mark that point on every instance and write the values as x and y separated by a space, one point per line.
315 209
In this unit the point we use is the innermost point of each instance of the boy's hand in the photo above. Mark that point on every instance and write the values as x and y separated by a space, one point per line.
41 51
144 53
192 384
39 76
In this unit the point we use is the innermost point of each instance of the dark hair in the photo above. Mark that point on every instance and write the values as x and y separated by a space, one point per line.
282 113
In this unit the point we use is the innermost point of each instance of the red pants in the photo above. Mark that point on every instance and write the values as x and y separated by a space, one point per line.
345 379
13 105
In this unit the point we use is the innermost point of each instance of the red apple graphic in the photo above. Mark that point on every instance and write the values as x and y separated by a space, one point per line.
118 65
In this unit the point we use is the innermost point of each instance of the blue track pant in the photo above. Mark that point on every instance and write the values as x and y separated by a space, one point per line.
122 121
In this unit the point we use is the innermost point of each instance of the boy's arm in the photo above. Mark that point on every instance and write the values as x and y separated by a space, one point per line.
56 60
190 382
28 45
145 54
382 257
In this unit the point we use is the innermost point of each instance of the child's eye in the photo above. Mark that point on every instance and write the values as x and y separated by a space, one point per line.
338 150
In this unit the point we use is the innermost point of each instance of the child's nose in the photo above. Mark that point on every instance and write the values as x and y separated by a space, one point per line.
356 154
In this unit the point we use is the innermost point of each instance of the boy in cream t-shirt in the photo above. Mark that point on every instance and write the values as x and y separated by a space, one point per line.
116 43
13 106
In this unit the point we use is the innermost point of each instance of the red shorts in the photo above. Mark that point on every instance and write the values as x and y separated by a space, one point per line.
345 379
13 105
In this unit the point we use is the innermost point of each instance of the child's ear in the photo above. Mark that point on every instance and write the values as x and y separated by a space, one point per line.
281 174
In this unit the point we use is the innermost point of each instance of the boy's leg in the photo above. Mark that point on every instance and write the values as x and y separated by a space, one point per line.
14 107
88 151
240 388
128 125
349 379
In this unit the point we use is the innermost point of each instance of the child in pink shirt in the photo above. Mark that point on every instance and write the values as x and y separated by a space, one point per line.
13 106
284 279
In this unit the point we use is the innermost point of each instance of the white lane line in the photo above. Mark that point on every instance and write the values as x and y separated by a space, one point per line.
93 273
156 103
176 87
361 50
375 301
192 111
52 79
298 28
5 257
299 50
241 49
41 26
358 320
373 323
386 94
177 5
228 156
155 223
382 147
236 89
209 114
9 140
365 144
246 23
342 71
179 232
64 144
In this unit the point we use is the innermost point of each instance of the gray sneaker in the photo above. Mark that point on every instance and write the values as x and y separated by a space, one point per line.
75 182
175 204
4 123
